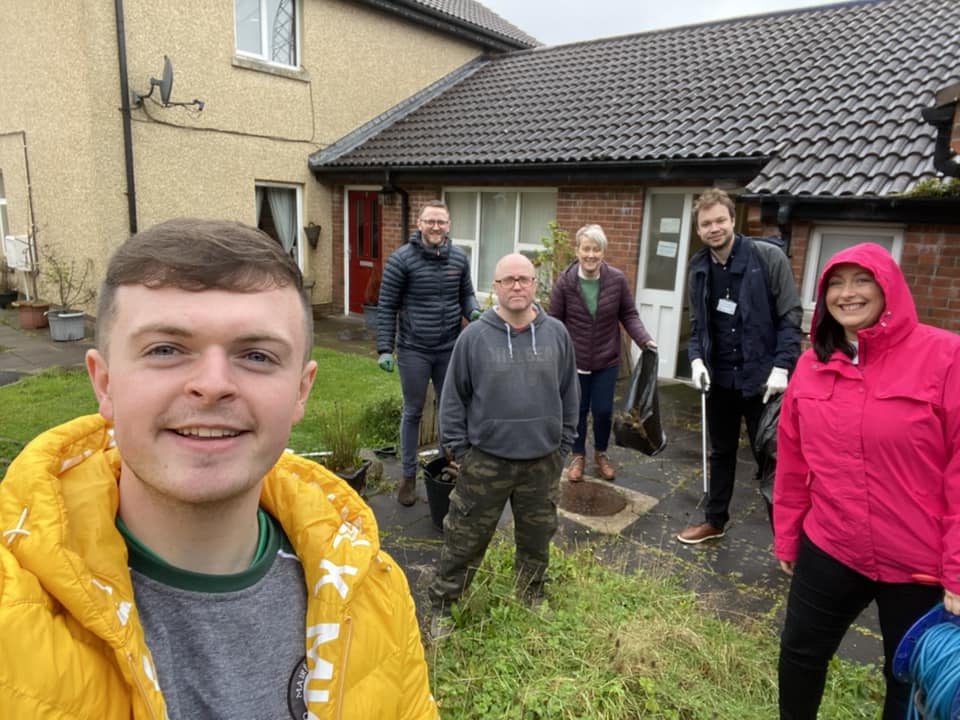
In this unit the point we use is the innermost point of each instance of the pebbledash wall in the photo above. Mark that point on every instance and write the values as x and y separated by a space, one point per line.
930 260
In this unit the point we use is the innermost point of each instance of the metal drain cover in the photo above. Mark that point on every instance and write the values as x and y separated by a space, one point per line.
591 499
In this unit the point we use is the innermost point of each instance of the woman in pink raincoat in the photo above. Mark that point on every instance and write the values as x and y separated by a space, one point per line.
867 491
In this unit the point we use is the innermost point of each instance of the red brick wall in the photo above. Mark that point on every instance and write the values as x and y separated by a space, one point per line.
618 209
931 265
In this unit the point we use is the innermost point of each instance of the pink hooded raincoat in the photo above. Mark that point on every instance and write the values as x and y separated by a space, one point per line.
868 455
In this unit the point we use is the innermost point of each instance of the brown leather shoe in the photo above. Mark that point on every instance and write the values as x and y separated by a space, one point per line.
698 533
407 494
575 470
607 471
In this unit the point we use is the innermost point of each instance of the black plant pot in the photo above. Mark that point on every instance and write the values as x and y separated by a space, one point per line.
357 478
439 487
7 297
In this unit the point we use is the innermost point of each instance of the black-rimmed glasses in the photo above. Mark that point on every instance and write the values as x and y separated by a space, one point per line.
525 281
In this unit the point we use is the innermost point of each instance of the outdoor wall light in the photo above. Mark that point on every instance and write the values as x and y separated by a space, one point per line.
387 197
312 231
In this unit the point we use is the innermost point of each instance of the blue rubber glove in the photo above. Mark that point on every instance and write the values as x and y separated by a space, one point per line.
385 361
475 315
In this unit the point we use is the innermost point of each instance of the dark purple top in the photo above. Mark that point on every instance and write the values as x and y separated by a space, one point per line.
596 339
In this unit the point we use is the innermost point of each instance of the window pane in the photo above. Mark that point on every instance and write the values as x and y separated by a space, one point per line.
463 214
536 210
467 250
666 215
248 26
281 19
498 228
832 243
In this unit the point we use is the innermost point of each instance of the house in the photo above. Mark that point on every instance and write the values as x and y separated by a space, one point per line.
117 115
812 117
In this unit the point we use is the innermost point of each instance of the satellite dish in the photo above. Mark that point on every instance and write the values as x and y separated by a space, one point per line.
166 86
166 83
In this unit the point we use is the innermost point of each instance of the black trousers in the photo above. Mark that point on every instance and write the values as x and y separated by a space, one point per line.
825 598
726 408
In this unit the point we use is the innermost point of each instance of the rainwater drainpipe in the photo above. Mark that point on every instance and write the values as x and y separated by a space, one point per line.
404 214
387 188
125 114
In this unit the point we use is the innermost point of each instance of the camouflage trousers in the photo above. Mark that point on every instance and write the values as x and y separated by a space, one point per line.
485 484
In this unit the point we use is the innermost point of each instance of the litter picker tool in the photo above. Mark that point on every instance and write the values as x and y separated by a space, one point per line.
703 442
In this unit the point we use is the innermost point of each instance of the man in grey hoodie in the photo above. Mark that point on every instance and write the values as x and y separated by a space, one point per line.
508 417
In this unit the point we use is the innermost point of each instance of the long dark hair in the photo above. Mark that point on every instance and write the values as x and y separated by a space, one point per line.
828 334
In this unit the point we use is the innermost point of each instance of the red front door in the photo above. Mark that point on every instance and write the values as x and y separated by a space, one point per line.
363 245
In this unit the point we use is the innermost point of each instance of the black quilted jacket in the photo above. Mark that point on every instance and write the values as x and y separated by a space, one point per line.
424 294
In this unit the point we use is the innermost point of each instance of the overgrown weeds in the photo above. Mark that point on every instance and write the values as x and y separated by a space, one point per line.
609 645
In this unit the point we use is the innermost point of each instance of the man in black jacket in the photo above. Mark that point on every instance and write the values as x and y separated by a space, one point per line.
745 318
425 293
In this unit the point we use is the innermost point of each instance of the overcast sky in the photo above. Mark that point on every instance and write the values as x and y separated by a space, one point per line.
561 21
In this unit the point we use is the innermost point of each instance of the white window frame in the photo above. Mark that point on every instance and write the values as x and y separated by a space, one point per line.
867 232
266 41
298 189
485 294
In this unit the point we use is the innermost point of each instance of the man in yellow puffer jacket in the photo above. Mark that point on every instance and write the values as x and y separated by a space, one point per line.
166 559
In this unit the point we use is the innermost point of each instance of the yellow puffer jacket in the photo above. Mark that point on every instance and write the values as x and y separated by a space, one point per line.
71 644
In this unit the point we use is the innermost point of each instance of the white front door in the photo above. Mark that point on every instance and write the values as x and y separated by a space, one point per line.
665 246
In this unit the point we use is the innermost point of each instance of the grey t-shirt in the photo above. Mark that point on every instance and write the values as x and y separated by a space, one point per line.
226 646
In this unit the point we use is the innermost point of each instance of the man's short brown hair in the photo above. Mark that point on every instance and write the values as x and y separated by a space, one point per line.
711 197
196 255
433 204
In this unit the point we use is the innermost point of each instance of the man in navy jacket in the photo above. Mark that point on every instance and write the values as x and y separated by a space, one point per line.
425 293
745 318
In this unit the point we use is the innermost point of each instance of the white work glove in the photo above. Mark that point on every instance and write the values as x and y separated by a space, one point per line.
701 378
776 383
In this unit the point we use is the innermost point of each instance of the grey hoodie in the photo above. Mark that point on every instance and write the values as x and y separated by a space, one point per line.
511 393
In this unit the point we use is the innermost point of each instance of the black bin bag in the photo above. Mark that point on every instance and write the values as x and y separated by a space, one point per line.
765 450
636 424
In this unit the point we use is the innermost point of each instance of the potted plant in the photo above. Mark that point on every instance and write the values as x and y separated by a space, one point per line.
371 296
69 279
339 435
31 314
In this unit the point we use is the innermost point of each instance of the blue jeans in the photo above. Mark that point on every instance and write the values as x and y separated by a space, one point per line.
596 396
416 370
825 598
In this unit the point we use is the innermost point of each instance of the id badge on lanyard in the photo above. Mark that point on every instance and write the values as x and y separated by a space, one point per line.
726 305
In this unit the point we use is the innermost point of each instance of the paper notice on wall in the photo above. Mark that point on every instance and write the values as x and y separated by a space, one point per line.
669 226
667 249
